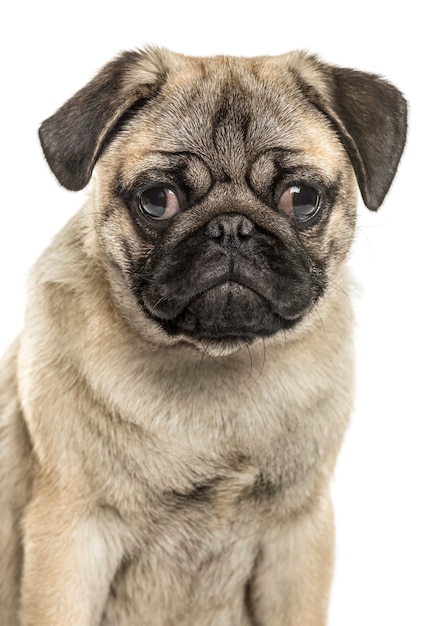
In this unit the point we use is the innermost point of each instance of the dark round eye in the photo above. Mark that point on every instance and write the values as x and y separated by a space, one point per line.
300 201
159 203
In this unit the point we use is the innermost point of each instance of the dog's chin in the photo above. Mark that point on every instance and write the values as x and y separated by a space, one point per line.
227 317
219 348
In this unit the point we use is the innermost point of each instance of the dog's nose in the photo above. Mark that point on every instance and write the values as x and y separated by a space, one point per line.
229 228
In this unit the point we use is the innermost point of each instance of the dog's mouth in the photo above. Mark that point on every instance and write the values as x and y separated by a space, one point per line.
229 309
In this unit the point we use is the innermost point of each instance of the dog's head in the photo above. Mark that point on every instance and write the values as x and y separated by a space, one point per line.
226 189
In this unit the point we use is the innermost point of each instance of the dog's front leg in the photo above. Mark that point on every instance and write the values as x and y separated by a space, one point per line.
292 579
70 557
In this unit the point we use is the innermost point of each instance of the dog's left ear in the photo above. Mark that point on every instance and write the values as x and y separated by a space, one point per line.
370 117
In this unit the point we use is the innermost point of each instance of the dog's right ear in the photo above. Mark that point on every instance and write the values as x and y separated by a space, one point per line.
74 137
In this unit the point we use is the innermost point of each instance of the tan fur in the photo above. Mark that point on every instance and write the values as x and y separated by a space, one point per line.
149 479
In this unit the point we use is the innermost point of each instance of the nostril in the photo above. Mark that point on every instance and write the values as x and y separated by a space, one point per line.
230 226
214 229
246 228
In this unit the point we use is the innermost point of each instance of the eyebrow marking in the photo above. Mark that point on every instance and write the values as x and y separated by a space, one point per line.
184 171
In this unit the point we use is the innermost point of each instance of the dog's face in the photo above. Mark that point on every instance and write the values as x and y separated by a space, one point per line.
233 211
226 189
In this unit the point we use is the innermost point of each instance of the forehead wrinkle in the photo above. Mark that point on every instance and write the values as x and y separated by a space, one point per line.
250 117
231 123
210 116
224 116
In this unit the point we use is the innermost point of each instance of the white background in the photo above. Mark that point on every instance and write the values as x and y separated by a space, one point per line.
383 487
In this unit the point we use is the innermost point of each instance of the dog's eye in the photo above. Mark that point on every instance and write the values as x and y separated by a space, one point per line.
159 203
300 201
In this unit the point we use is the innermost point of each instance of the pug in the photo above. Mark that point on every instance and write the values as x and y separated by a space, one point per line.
172 411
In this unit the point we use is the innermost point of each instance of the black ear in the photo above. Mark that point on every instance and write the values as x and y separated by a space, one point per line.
73 138
370 116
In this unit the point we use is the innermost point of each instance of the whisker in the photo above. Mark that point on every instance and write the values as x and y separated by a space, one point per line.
204 353
251 362
339 288
368 241
315 308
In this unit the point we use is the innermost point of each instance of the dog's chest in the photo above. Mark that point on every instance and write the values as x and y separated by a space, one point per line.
198 487
195 553
198 533
185 573
204 458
